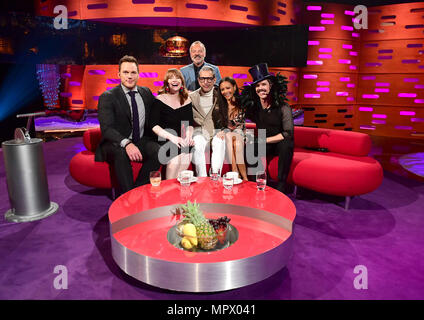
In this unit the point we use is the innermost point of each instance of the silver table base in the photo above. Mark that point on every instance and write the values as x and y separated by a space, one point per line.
12 217
202 277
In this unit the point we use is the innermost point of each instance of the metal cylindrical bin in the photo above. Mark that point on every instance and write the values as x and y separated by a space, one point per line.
26 181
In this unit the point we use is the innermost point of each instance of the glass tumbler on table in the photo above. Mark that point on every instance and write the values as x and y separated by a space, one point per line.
261 180
185 178
214 174
227 182
155 178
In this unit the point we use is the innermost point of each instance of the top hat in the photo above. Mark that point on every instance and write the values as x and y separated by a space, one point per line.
260 72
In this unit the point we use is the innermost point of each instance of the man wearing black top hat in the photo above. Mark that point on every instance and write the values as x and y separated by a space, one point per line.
266 105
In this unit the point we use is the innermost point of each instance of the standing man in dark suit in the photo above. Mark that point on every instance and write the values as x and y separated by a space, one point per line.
124 123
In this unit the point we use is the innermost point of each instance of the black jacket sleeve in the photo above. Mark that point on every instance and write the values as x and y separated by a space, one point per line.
107 118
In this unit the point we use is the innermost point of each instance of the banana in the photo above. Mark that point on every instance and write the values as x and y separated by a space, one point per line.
186 243
189 231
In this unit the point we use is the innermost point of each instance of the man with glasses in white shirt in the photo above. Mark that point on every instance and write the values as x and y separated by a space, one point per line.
204 101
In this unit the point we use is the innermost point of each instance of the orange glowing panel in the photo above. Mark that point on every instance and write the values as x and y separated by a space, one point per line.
72 92
329 116
327 88
329 21
398 21
235 11
402 122
396 89
389 56
331 55
99 9
46 8
282 12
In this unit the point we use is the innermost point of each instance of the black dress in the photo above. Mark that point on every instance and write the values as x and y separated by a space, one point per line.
172 120
275 120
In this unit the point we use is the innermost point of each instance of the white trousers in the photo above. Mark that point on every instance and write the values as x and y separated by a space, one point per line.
199 154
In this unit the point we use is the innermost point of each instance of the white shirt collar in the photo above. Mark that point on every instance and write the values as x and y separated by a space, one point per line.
126 90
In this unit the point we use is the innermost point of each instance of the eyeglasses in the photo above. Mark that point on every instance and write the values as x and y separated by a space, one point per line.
209 79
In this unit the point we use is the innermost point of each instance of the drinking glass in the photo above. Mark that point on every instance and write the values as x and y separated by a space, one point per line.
227 182
214 174
185 178
155 178
261 180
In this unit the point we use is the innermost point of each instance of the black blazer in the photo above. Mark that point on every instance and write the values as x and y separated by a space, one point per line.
115 117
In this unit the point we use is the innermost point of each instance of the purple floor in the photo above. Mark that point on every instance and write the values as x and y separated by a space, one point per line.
382 231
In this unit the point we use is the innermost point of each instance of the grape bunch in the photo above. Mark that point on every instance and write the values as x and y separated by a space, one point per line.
220 223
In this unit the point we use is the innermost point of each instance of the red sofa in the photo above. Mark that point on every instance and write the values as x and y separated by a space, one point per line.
345 170
86 171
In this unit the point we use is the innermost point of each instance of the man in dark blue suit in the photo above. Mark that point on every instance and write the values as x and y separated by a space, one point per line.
124 122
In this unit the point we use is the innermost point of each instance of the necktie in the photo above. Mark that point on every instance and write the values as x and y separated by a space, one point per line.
135 120
196 82
196 75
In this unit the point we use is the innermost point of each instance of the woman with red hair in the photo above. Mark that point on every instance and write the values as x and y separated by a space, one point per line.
172 121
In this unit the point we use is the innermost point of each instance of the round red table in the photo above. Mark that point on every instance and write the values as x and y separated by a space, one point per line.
141 218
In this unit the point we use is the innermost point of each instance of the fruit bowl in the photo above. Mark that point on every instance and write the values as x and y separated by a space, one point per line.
217 241
195 232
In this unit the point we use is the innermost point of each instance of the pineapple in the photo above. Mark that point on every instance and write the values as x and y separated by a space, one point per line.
207 235
205 232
